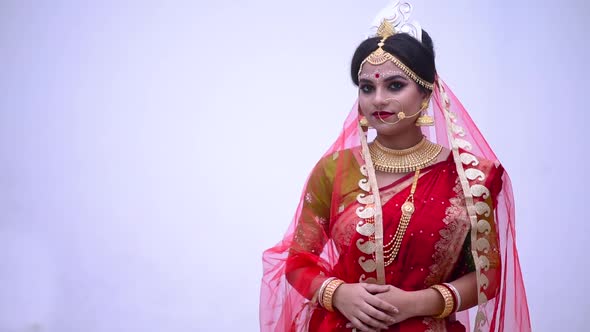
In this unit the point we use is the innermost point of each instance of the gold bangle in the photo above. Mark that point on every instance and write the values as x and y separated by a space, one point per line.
323 288
448 298
329 293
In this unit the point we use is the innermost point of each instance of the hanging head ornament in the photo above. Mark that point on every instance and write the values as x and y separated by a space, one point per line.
391 20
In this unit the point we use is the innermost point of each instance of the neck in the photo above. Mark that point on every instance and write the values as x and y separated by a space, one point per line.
404 140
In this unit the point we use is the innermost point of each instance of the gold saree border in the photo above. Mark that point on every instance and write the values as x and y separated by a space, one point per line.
473 194
378 217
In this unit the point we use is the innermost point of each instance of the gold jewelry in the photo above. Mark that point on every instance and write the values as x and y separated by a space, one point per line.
380 56
398 18
424 120
448 298
391 249
329 293
400 115
403 161
323 288
364 123
385 30
424 105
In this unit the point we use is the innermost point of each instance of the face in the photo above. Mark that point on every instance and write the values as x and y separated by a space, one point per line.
384 92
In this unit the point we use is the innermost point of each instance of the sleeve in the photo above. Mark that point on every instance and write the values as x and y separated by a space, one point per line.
494 184
465 264
305 269
490 258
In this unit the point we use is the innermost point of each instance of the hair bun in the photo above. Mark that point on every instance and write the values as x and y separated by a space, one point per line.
427 41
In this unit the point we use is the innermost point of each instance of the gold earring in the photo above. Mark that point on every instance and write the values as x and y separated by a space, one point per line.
424 120
364 123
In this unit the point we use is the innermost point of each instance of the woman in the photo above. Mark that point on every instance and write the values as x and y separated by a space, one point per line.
388 233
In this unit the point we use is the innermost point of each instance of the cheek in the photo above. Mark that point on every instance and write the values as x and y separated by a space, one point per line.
411 100
364 104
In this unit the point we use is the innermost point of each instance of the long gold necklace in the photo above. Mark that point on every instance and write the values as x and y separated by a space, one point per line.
391 249
403 161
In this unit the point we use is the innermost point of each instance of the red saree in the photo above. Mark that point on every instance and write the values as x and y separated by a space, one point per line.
464 222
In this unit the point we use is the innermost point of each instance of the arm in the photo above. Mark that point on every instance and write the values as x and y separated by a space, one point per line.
305 270
429 302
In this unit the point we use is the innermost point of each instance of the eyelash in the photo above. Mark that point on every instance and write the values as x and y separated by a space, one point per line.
400 86
394 86
366 88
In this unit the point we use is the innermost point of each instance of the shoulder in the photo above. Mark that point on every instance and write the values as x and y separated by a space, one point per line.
341 162
340 158
487 166
482 171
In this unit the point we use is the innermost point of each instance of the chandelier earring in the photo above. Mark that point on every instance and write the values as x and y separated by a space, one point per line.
424 120
363 122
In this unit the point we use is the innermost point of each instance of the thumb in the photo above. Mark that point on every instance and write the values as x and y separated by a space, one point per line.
375 289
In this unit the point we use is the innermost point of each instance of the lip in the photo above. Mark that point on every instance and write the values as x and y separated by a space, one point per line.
382 114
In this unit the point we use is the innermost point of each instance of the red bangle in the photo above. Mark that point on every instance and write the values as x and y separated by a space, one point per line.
455 300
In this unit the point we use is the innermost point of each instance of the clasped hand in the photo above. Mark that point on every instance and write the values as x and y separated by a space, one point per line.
369 307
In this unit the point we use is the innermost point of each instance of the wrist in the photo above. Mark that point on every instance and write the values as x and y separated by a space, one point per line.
327 296
426 302
417 303
320 291
448 300
337 296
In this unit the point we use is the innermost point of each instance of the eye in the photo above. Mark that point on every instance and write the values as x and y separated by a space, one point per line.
366 88
395 86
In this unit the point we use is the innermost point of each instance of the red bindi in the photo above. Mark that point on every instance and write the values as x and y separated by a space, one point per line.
376 75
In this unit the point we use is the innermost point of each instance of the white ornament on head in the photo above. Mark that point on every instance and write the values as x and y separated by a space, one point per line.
397 13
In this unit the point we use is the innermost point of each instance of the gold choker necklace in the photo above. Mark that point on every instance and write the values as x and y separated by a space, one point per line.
403 161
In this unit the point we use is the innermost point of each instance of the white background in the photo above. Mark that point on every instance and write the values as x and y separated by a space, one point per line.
149 152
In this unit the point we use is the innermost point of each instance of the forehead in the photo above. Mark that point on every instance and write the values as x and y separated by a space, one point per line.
385 69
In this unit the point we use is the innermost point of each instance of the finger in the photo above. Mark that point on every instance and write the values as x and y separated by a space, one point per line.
382 317
381 304
351 326
373 289
371 322
360 326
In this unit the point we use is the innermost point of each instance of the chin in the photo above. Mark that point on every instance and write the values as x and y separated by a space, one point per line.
391 130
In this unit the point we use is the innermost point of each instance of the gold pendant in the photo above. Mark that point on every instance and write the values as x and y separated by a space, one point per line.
408 208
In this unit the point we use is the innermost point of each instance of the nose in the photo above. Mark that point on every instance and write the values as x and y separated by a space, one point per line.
380 100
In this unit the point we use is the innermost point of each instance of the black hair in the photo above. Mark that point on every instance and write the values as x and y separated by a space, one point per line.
418 56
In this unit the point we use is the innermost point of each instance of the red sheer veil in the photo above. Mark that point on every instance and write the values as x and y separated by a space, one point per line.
502 304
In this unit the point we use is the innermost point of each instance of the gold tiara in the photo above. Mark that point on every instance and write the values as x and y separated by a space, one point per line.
386 29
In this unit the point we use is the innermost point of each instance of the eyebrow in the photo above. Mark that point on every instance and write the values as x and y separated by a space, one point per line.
391 78
387 79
